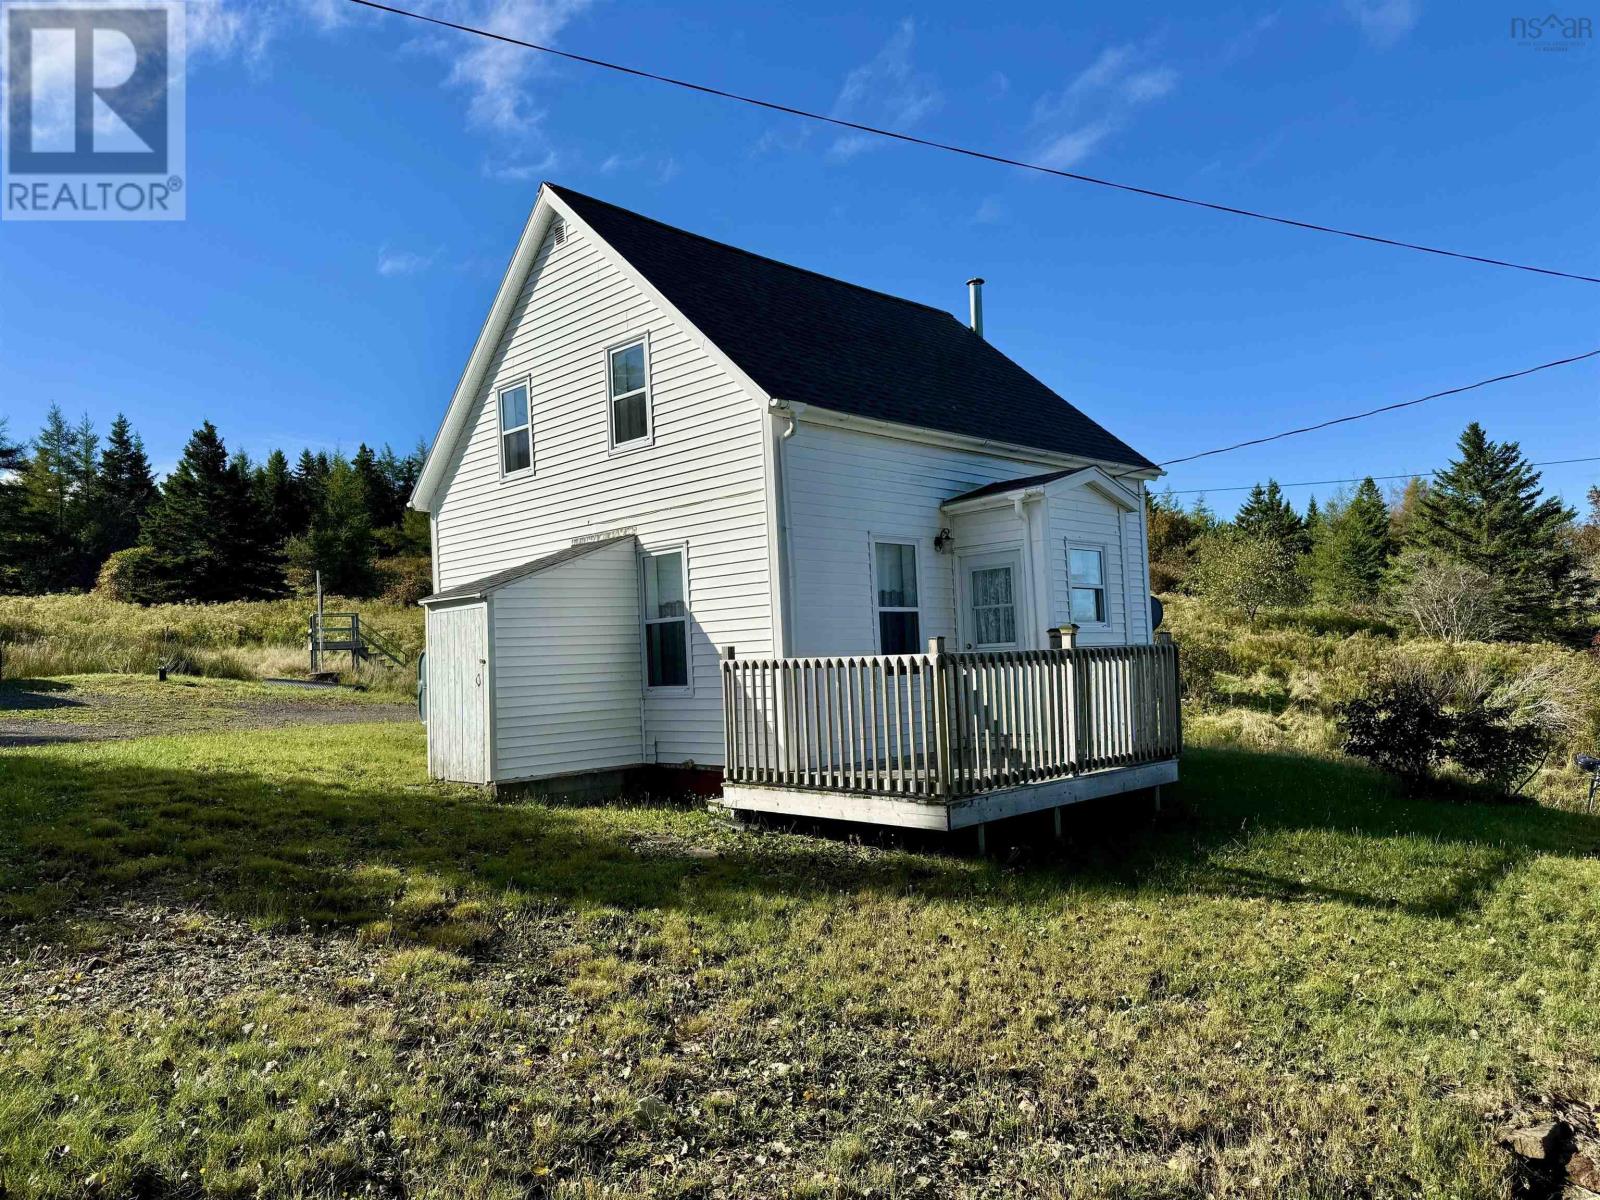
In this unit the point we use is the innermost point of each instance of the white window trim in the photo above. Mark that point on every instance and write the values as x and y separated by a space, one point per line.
649 439
1105 584
873 541
645 554
501 431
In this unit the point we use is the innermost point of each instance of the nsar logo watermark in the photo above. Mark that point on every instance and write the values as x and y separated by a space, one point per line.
1552 32
92 111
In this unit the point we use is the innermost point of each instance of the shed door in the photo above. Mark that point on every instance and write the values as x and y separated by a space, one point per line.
458 695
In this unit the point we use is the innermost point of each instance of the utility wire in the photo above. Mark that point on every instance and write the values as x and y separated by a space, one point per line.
1553 462
986 156
1372 412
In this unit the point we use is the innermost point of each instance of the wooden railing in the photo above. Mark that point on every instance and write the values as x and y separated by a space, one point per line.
942 725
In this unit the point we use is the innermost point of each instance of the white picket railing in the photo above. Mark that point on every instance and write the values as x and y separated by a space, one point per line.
942 725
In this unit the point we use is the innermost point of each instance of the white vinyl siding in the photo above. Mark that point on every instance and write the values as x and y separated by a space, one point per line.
846 488
702 483
566 644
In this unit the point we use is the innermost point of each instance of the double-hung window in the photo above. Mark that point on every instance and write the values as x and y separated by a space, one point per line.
628 385
516 430
666 620
1086 571
894 570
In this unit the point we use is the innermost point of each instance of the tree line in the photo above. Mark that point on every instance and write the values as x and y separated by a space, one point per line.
1476 552
79 512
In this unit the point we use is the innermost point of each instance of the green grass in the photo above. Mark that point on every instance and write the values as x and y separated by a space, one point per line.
131 705
48 636
1297 984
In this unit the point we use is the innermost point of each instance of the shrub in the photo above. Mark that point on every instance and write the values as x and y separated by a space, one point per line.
1422 715
404 579
1444 598
1245 572
127 576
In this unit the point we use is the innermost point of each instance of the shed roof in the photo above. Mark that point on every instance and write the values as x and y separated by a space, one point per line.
487 584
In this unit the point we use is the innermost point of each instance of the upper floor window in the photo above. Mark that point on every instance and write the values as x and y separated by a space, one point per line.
628 381
894 570
516 430
1086 571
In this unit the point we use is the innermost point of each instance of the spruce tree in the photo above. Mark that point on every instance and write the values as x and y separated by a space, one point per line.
1352 547
124 489
1267 514
1486 509
208 537
282 497
20 535
340 543
55 504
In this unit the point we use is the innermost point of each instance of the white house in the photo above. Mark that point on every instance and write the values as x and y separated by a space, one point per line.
664 447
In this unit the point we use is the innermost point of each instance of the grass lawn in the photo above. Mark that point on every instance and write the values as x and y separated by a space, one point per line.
279 962
74 707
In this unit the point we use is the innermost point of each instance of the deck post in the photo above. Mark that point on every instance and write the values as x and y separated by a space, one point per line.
1056 813
1067 637
939 758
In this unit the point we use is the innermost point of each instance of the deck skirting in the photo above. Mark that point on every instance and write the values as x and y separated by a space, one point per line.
910 813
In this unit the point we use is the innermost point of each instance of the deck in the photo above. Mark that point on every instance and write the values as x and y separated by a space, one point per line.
949 740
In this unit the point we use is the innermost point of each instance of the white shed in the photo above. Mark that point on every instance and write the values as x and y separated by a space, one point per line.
534 672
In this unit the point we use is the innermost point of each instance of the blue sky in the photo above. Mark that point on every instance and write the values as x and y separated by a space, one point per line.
356 184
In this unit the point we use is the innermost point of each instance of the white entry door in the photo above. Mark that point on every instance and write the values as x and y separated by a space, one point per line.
991 601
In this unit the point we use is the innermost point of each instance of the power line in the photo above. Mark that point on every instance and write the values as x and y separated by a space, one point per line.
1372 412
1554 462
967 151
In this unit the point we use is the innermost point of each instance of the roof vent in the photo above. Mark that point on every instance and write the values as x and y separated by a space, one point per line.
975 302
558 232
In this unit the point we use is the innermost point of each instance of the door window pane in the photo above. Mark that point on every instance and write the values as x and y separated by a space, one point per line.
994 610
666 615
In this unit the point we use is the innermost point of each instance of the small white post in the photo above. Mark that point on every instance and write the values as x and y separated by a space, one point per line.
940 751
316 645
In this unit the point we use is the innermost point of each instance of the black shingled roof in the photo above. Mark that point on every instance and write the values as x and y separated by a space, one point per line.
814 340
489 582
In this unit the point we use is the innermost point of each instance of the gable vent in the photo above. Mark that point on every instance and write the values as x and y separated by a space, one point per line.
558 233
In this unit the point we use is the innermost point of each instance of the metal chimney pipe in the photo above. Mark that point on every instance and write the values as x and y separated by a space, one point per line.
975 301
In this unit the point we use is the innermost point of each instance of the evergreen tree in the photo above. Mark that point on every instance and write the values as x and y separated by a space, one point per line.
1351 548
311 473
1405 506
282 497
340 543
1313 518
1487 510
56 506
1267 514
124 489
207 535
19 534
375 491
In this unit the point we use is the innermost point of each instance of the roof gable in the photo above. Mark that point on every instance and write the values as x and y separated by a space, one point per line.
1001 491
791 334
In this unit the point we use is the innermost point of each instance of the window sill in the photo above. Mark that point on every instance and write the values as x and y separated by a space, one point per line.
633 447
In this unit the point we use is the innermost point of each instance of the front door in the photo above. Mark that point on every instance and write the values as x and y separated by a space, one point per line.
991 601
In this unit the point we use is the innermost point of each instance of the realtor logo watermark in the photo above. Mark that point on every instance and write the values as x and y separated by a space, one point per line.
1552 31
92 111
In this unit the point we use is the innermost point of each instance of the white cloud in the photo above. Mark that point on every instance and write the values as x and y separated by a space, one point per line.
519 170
393 262
496 78
887 90
1098 102
990 212
1384 22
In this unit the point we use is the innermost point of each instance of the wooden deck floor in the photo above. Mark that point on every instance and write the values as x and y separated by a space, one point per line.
916 812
